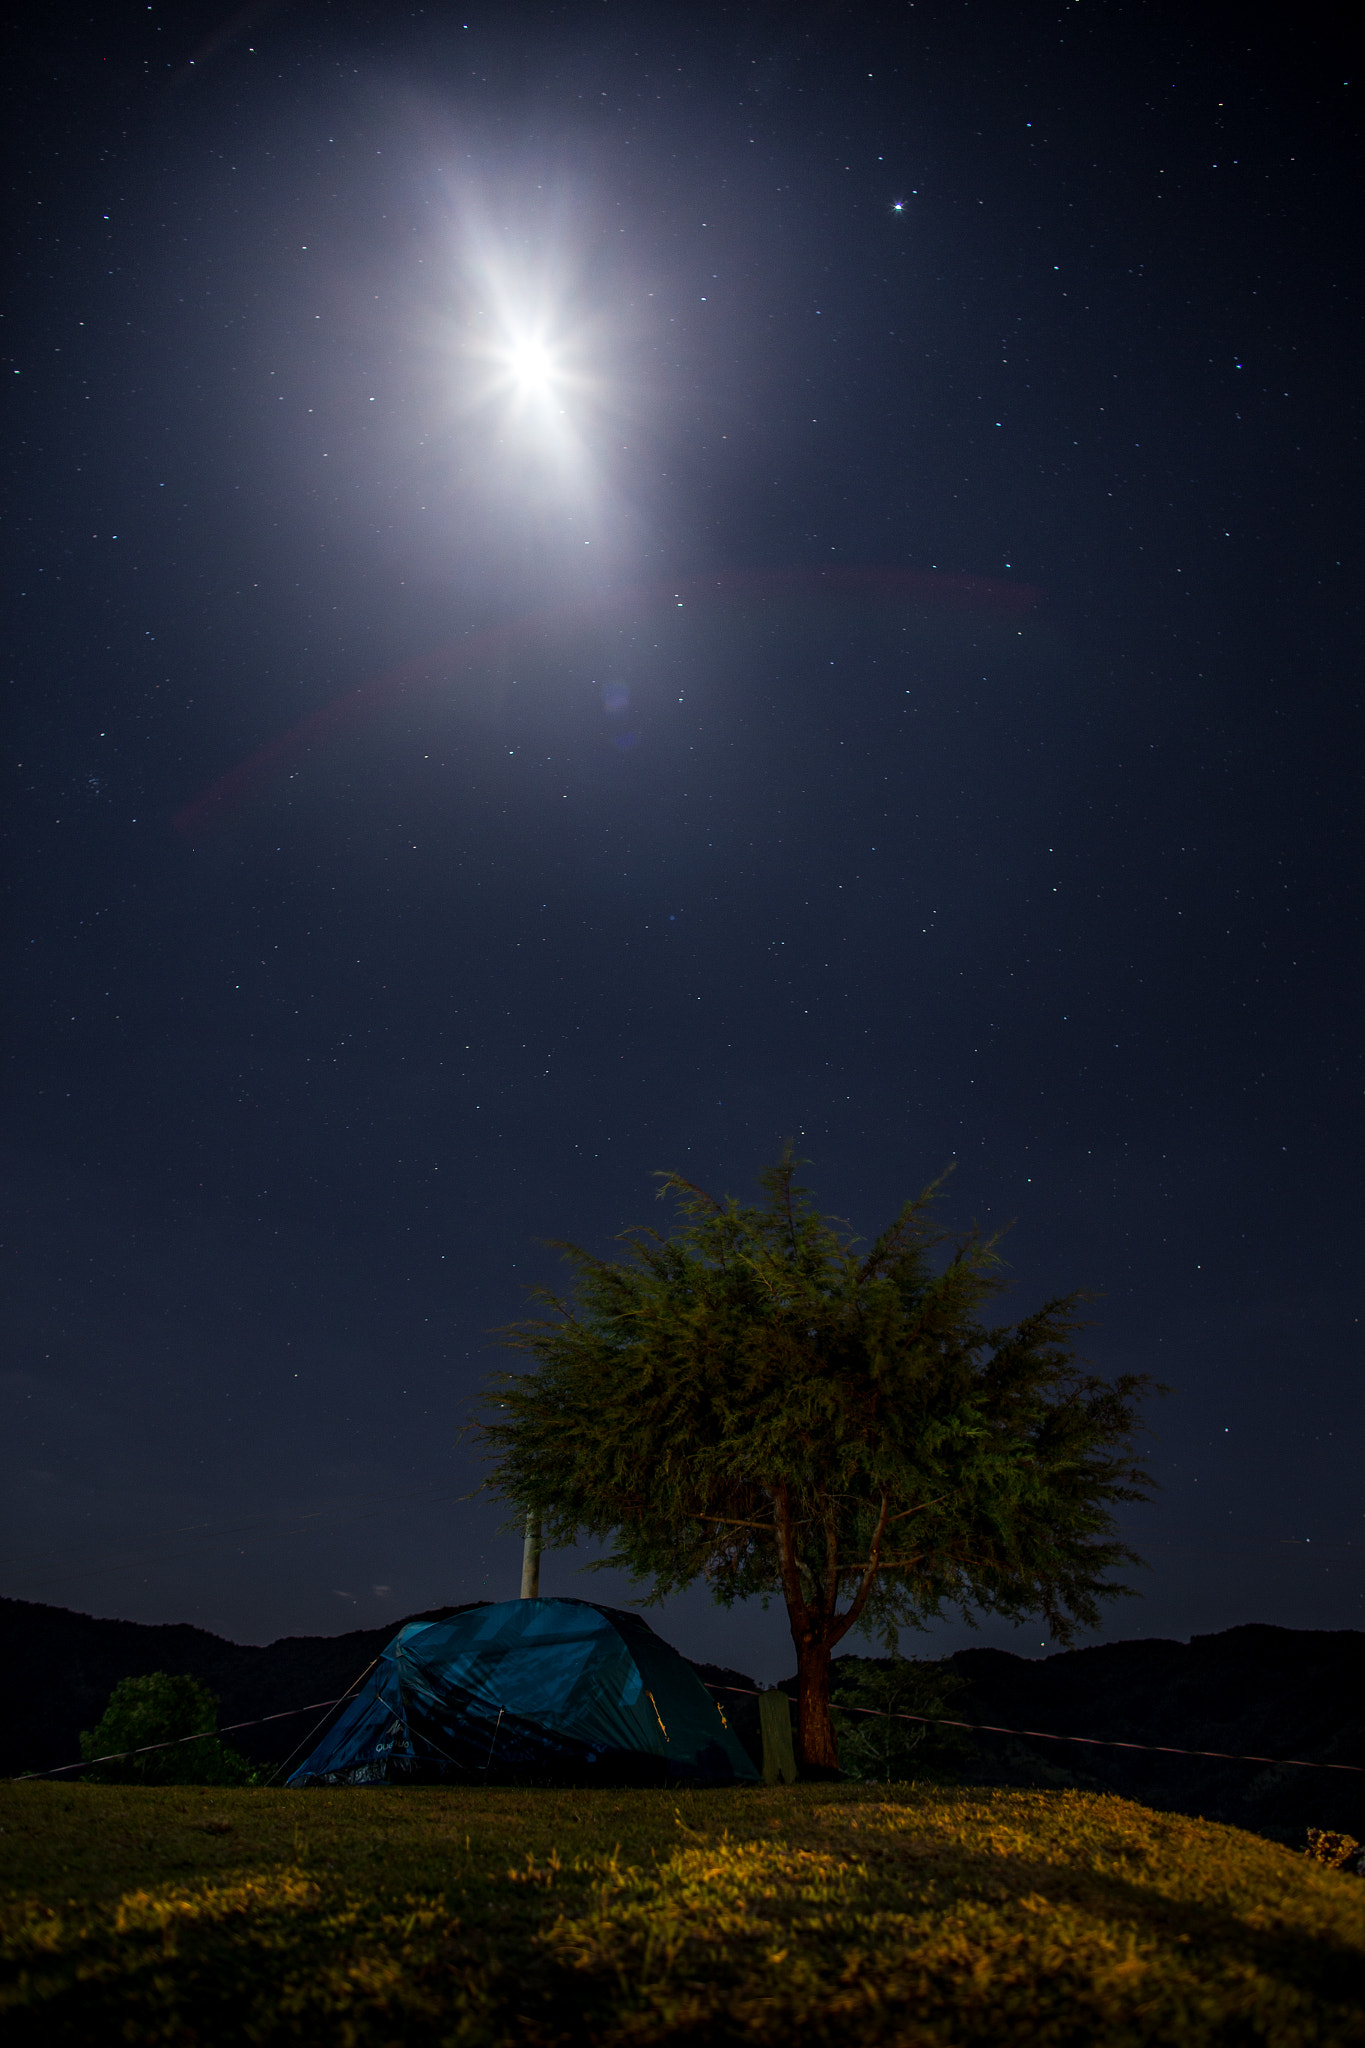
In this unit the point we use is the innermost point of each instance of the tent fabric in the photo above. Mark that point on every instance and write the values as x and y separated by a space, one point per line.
541 1690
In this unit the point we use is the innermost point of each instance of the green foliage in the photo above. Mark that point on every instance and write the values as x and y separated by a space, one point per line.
159 1708
872 1916
869 1694
759 1401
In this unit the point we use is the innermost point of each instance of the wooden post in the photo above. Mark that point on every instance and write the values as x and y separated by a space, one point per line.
530 1560
775 1725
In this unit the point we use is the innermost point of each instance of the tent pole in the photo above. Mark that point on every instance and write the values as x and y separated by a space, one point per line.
530 1559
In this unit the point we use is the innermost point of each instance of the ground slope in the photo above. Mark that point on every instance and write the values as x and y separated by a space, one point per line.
814 1913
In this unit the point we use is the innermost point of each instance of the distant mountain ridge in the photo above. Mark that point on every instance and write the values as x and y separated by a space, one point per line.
1271 1692
1255 1690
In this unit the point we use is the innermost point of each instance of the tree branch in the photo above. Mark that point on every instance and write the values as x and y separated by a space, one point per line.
884 1564
831 1599
860 1598
792 1592
745 1260
675 1180
921 1507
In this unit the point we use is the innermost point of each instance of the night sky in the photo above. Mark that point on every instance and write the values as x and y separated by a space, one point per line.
591 588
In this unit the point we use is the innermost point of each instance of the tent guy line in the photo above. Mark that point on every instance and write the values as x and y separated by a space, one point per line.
1096 1741
1297 1763
314 1732
177 1742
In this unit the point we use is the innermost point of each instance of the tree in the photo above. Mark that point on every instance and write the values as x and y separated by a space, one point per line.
159 1709
871 1703
757 1401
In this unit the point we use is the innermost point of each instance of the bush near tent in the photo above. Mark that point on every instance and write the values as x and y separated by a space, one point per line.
159 1708
529 1691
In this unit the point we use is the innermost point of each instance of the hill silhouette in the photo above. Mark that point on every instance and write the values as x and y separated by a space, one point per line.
1258 1690
1254 1691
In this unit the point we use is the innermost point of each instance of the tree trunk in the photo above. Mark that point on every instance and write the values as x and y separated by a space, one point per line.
817 1750
530 1559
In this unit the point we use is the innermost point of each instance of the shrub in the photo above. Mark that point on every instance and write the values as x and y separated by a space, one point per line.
159 1708
1336 1851
873 1743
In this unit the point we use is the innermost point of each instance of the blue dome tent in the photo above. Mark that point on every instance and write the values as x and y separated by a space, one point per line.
540 1690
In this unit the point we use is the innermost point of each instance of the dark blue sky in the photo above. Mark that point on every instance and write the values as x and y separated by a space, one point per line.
897 688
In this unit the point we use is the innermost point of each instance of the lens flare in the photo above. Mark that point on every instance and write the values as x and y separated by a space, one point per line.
432 675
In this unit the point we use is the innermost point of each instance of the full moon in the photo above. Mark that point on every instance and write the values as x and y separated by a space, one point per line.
531 368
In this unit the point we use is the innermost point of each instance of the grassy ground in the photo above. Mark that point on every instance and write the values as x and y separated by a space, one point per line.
812 1914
